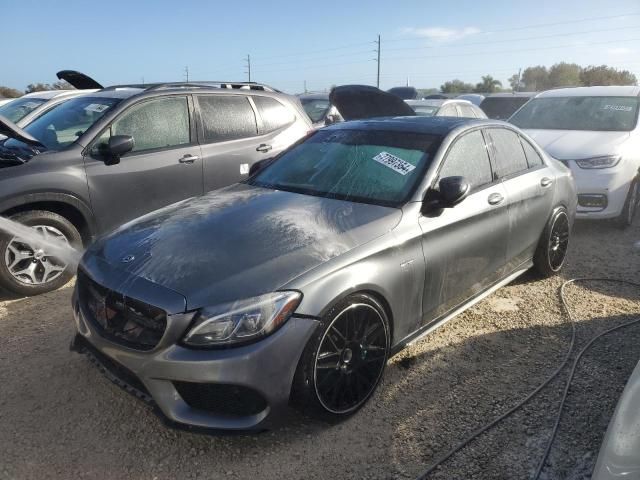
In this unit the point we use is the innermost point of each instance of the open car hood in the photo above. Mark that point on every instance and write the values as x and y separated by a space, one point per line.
11 130
78 80
357 102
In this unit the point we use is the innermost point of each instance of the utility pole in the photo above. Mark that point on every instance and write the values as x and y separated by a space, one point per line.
305 86
248 72
377 50
186 73
518 84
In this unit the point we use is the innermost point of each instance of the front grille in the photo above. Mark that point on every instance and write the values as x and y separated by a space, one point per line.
119 318
221 399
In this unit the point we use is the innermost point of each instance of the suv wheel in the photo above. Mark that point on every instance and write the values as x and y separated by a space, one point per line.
28 270
343 362
554 242
630 206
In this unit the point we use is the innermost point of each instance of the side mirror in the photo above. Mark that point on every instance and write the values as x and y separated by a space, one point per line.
118 146
453 190
330 119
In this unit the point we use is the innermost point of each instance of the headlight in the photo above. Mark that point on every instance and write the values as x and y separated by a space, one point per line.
607 161
243 321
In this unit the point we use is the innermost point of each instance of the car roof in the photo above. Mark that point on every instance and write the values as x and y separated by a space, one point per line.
49 94
511 94
603 91
314 96
430 125
439 102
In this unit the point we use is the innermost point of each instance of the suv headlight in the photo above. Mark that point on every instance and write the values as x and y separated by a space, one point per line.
243 321
606 161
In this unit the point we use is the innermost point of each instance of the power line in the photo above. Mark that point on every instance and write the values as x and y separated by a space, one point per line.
306 52
493 52
526 27
537 37
311 59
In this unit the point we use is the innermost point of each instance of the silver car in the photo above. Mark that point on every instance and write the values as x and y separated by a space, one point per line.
296 286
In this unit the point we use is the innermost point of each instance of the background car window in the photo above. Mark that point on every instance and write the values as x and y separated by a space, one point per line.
448 111
226 118
274 114
579 113
468 158
59 127
17 109
159 123
509 155
533 158
467 111
316 108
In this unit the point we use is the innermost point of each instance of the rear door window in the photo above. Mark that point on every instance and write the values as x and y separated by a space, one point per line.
466 111
448 111
508 152
226 118
533 158
154 124
468 158
274 114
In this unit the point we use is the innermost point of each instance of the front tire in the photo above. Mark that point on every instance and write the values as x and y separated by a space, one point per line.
344 360
630 206
552 248
27 271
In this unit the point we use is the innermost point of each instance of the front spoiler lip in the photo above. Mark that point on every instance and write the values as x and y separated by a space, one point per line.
77 346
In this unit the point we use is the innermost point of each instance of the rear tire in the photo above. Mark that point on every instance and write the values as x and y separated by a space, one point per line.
39 280
630 208
551 252
344 360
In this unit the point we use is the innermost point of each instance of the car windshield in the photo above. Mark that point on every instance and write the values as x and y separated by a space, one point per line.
316 108
17 109
579 113
425 110
501 108
61 126
379 167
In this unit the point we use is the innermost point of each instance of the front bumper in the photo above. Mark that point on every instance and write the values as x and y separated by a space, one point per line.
609 184
265 368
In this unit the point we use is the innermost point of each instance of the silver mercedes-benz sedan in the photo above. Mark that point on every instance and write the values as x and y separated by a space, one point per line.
296 286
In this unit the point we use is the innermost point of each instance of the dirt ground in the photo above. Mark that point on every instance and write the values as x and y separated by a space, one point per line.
60 419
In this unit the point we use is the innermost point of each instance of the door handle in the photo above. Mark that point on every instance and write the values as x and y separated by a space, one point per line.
264 148
495 199
546 181
188 158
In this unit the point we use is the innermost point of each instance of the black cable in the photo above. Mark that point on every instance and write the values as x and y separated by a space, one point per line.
520 404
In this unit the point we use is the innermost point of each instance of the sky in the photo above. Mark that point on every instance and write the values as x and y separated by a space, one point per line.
318 44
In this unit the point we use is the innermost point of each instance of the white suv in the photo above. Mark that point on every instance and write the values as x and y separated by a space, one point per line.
594 131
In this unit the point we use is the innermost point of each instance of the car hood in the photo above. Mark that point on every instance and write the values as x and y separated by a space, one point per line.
576 144
358 102
240 241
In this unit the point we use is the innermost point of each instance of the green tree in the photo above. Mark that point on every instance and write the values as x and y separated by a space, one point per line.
62 85
488 85
515 82
564 75
535 78
603 75
8 92
38 87
456 86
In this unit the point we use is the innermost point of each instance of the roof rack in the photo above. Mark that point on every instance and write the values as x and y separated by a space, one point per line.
212 84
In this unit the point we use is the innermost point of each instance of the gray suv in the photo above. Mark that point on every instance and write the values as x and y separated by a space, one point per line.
104 158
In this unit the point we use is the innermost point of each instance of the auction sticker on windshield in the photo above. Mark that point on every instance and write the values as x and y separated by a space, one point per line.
394 163
96 107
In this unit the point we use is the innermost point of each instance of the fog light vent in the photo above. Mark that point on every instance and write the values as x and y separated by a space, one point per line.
592 201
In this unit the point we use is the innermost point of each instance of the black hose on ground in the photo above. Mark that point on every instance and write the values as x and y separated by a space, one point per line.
555 373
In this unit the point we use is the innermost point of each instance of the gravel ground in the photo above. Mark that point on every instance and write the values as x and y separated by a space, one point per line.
60 419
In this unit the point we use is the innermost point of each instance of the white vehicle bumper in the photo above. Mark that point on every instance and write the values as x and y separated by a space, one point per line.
602 192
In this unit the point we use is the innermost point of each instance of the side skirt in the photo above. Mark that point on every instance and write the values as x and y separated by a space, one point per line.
431 326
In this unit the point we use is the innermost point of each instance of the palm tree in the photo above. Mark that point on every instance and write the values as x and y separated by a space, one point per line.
488 84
